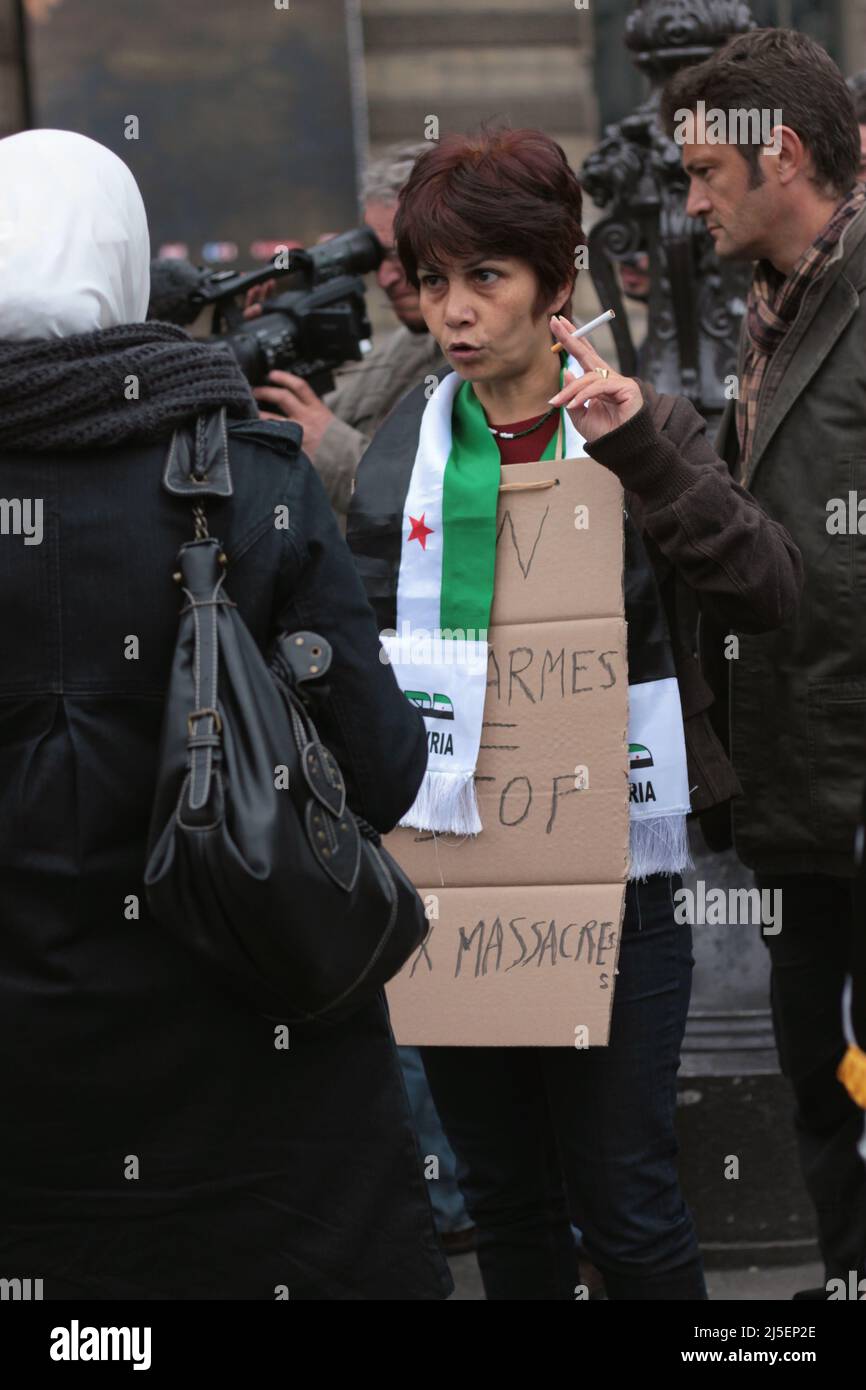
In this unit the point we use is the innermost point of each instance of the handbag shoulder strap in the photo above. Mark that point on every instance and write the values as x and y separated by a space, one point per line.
197 461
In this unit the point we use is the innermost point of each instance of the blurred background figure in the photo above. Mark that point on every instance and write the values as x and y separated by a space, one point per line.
338 428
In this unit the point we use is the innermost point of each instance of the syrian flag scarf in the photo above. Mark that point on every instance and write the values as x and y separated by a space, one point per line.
439 648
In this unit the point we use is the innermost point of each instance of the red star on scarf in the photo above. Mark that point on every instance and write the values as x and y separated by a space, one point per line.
419 531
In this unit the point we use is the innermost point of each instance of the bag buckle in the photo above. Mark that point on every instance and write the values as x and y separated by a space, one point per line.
202 714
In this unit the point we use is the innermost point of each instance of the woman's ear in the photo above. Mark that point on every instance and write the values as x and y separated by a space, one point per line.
561 301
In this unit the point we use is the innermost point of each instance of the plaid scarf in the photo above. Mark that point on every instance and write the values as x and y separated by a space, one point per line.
773 304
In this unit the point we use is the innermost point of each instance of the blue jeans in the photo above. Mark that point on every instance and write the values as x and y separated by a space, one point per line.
449 1210
547 1136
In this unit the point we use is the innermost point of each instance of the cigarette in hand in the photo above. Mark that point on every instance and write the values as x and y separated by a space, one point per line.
587 328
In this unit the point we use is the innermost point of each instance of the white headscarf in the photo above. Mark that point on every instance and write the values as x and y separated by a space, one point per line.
74 244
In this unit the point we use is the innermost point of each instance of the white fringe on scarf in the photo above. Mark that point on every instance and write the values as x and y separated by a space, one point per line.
446 802
658 845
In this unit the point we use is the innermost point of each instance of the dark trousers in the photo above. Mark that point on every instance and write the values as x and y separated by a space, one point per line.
810 957
547 1136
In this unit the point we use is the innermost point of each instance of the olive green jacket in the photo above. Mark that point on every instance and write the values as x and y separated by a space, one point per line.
791 704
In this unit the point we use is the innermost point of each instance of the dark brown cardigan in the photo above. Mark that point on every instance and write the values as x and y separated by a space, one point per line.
716 555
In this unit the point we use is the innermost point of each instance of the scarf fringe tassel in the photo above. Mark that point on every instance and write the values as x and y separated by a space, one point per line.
446 801
658 845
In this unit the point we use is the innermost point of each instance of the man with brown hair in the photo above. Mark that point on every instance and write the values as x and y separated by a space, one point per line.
789 200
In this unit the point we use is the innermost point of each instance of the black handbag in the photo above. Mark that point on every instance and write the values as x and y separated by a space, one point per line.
255 861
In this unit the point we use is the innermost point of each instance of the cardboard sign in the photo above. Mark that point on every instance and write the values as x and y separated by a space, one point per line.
525 917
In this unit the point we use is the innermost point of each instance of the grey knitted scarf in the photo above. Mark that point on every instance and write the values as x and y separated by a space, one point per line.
130 384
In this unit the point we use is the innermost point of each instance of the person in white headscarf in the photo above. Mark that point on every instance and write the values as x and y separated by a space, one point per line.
74 262
156 1143
74 244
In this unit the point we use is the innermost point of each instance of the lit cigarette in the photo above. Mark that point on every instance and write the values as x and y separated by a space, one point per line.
587 328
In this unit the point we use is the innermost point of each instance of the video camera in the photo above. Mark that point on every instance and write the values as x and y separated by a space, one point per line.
309 329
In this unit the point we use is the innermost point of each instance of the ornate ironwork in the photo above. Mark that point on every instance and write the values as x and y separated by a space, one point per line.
696 301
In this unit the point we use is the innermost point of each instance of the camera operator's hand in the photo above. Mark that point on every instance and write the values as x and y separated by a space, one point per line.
298 402
255 296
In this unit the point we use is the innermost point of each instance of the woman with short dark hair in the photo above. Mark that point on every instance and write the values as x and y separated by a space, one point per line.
487 227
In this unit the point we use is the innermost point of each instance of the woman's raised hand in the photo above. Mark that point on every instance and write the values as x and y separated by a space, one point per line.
613 399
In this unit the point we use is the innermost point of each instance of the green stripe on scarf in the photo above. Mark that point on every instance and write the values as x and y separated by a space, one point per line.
470 493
